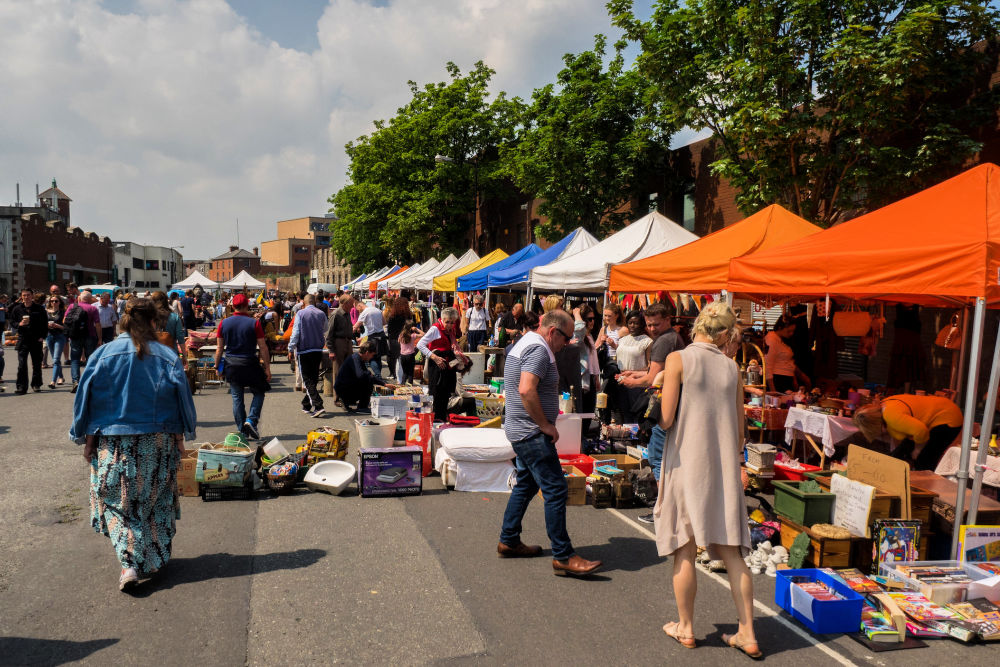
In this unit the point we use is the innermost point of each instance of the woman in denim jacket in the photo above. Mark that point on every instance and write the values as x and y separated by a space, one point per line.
132 411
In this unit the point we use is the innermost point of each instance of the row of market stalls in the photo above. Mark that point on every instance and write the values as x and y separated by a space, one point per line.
241 281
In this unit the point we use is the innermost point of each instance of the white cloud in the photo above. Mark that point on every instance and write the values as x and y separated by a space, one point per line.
166 125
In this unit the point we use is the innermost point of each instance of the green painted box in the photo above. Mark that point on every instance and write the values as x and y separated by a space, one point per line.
803 508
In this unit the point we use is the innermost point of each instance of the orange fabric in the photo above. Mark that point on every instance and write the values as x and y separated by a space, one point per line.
937 247
703 265
374 284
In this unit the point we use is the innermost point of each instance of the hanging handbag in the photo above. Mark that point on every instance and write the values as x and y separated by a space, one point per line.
852 322
950 338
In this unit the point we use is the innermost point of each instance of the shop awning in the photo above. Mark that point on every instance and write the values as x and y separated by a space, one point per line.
479 279
517 274
194 279
937 247
448 282
587 271
426 281
243 280
375 281
702 266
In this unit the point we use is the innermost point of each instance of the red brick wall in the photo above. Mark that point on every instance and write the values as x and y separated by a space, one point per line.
76 251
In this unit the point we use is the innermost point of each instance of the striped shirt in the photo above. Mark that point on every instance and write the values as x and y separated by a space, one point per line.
531 354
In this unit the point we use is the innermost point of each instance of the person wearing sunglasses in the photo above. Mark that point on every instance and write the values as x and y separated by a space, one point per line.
531 383
584 328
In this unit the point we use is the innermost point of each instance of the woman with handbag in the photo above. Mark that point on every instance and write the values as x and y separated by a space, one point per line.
133 410
921 427
700 498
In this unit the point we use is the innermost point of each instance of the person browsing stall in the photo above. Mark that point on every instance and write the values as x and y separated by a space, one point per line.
240 338
355 379
922 427
440 347
529 424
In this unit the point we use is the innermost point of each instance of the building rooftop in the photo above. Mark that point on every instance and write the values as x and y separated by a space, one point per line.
239 253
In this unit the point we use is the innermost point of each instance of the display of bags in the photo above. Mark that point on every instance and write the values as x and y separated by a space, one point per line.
950 338
224 465
852 322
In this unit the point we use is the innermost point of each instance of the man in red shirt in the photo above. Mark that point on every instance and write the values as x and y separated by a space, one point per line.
241 336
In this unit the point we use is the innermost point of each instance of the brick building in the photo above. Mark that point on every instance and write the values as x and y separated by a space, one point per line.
228 265
328 268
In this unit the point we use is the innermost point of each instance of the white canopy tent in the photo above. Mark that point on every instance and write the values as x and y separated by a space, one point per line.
362 285
196 278
351 282
351 286
243 280
384 283
429 268
588 270
426 282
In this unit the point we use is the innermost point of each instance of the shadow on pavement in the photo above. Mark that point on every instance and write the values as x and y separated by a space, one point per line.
31 651
629 554
773 637
181 571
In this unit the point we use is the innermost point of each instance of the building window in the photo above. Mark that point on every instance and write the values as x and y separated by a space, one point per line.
318 226
323 240
153 283
136 263
688 213
152 265
301 262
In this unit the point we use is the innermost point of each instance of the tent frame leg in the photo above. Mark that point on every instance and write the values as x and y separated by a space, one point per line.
969 417
989 410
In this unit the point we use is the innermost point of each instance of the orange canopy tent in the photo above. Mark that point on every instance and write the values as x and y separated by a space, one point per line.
373 285
702 266
938 247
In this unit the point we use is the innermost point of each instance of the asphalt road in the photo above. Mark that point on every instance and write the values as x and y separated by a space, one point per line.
317 579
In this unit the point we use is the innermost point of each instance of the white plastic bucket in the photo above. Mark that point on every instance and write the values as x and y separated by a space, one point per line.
376 435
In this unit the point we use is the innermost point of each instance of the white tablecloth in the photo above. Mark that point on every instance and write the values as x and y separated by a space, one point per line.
948 465
828 428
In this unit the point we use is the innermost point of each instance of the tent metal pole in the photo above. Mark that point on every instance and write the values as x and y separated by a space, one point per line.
963 351
989 410
486 299
968 419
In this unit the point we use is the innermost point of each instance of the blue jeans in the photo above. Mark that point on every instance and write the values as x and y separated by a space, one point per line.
239 409
538 468
77 349
475 339
655 450
56 342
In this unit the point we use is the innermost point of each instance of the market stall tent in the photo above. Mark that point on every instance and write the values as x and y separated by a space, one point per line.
373 285
449 281
426 281
385 282
346 285
517 274
378 275
243 280
939 247
587 271
194 279
703 265
479 279
411 280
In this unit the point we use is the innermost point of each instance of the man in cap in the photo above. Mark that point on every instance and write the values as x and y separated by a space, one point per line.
240 338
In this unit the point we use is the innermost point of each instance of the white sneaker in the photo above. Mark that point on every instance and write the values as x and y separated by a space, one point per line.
319 413
128 579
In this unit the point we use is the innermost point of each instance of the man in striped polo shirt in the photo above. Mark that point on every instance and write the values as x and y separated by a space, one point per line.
531 386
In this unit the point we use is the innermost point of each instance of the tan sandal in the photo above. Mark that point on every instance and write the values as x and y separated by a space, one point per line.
731 640
687 641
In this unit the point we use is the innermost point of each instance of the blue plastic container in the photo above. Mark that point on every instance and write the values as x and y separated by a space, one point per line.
820 616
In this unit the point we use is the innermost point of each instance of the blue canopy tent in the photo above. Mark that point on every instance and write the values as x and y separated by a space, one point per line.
518 273
478 280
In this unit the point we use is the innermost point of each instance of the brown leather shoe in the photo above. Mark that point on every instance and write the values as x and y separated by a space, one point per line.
519 550
576 566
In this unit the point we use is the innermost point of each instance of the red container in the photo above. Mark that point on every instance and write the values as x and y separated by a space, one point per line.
782 471
583 463
418 434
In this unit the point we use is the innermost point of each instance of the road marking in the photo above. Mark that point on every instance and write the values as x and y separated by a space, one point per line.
760 606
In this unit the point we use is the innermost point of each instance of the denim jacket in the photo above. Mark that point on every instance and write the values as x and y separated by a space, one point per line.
120 394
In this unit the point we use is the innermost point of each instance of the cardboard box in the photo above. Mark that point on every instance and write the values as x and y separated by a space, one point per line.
390 471
639 453
576 485
186 484
622 461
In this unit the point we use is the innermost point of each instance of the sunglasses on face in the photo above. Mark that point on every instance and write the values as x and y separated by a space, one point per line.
567 336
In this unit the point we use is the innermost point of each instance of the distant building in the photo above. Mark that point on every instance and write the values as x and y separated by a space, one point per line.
301 249
200 265
328 268
38 247
151 267
228 265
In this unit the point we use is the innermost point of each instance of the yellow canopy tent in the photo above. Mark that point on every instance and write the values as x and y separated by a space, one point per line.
449 281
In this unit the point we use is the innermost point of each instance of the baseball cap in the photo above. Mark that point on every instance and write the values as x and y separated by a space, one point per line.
240 300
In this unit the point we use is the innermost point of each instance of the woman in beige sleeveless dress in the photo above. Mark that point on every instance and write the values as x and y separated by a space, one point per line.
700 498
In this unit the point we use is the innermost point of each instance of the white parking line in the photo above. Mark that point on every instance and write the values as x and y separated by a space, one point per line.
760 606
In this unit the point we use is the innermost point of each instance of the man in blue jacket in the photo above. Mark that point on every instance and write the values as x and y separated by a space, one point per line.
308 337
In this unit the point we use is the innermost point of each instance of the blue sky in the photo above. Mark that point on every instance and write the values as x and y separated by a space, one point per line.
166 120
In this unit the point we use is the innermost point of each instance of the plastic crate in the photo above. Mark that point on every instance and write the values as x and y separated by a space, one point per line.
213 492
488 407
821 616
937 593
761 456
806 509
582 462
781 471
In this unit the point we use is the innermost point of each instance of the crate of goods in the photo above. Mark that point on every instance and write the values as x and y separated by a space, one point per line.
823 603
940 581
760 456
823 551
224 465
576 483
328 443
793 472
887 506
387 389
800 506
621 461
390 406
488 407
408 390
583 462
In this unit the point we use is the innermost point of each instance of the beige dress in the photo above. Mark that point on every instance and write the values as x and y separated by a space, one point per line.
701 494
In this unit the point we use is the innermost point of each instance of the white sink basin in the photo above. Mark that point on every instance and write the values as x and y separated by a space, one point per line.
330 476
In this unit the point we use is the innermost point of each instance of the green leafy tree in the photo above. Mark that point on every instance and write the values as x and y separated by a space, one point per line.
401 203
825 107
589 145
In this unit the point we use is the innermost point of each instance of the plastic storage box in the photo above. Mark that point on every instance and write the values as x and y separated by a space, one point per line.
803 508
820 616
583 463
943 593
781 471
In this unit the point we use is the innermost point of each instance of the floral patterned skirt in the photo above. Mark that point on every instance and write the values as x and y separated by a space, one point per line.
133 497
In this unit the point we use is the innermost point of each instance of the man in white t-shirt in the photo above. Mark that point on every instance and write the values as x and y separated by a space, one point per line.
371 320
477 323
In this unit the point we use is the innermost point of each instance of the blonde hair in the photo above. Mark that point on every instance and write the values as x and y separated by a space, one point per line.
714 320
552 302
868 419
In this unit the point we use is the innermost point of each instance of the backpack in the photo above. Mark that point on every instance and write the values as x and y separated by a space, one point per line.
75 323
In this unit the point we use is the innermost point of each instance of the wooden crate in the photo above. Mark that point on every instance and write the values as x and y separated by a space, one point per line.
823 551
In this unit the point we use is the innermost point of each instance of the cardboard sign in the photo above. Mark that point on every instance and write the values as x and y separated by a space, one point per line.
885 473
216 476
853 506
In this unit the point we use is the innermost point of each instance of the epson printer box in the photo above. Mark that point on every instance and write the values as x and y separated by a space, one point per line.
390 471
